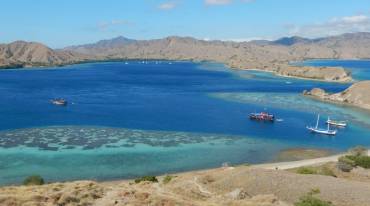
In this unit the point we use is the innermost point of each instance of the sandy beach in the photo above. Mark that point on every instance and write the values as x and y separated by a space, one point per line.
300 163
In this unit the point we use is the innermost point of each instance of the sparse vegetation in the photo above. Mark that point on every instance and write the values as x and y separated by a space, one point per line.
310 200
306 170
33 180
146 178
168 179
327 171
357 158
321 170
361 161
358 151
344 167
314 191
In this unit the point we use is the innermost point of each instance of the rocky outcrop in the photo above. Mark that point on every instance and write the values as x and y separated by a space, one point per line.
357 95
316 92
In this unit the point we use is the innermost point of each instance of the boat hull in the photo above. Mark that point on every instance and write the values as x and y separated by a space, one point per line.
337 124
321 131
262 117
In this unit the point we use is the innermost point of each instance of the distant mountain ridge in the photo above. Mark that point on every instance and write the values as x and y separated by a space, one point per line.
103 44
273 56
289 41
265 55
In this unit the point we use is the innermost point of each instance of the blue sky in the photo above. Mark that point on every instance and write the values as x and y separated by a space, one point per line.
69 22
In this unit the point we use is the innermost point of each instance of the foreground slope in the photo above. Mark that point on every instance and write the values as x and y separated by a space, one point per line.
224 186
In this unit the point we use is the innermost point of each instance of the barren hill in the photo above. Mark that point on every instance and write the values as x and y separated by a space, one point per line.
272 56
356 95
27 54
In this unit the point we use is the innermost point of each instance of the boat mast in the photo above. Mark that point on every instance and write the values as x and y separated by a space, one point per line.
318 119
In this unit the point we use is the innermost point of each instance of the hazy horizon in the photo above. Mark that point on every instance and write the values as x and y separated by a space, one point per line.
72 23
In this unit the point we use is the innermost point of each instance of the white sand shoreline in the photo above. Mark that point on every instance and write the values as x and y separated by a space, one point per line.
300 163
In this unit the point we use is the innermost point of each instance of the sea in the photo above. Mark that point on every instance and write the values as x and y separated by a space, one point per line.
134 118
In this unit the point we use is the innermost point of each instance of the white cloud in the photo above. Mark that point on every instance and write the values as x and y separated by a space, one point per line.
334 26
247 39
353 19
224 2
104 25
218 2
167 6
238 39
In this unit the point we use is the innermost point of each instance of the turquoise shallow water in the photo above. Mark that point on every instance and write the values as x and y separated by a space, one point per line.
111 153
129 120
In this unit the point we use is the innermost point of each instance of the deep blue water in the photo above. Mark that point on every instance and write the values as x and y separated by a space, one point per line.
124 120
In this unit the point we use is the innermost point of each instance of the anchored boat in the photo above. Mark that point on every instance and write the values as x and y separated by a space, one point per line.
336 123
263 116
59 102
318 130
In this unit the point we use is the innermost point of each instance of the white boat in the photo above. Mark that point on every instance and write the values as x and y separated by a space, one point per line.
318 130
336 123
59 102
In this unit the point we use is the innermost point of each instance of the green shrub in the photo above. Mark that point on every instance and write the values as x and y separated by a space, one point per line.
168 179
358 151
361 161
314 191
347 160
146 178
309 200
322 170
34 180
306 170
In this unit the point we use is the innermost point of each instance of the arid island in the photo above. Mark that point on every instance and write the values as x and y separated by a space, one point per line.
357 95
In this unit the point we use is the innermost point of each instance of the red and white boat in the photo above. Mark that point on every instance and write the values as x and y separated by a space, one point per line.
262 116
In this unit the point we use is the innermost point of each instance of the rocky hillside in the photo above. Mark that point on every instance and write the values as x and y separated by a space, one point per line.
247 54
270 55
273 56
243 185
27 54
357 95
333 74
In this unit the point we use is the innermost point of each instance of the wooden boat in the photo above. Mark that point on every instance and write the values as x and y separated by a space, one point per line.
336 123
263 116
318 130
